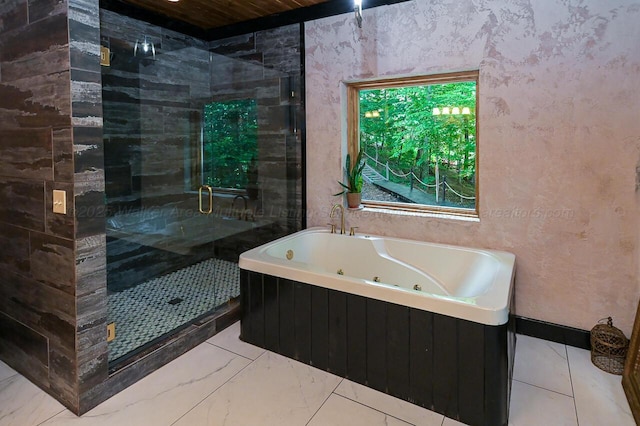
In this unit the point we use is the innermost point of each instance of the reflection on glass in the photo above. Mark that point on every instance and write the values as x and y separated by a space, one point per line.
186 119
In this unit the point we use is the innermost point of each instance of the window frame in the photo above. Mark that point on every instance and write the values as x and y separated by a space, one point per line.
353 134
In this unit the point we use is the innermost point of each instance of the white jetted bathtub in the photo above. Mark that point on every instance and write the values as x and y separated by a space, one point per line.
427 323
465 283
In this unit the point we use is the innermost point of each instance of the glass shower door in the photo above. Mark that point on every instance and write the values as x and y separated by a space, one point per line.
203 161
162 270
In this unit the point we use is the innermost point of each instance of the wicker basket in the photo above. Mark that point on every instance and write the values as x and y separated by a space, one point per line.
608 347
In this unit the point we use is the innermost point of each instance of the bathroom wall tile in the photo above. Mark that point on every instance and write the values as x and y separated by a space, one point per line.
233 45
26 153
91 320
37 306
40 101
84 34
86 94
284 55
395 407
63 374
93 359
337 411
170 69
531 405
92 313
534 355
63 155
15 15
120 91
166 394
152 97
6 371
229 339
39 9
234 74
53 261
281 391
23 403
92 221
132 263
32 39
267 92
599 396
177 123
274 119
90 203
47 310
152 115
91 259
22 203
173 41
56 59
88 148
25 349
15 254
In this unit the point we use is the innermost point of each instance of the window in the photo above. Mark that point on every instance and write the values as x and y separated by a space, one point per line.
419 140
230 147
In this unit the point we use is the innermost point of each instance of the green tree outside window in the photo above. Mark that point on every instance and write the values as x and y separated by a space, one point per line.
230 136
418 139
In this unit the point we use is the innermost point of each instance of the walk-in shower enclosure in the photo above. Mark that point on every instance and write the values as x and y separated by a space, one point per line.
203 160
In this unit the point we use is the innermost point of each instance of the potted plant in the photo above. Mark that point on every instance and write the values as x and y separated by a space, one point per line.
353 185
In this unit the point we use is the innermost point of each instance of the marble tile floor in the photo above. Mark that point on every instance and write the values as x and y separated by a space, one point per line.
228 382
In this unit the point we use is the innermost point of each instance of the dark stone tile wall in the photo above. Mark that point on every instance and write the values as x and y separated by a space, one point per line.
152 108
37 247
53 292
53 285
89 188
147 105
266 66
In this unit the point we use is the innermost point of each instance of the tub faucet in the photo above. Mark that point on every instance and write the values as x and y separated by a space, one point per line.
333 210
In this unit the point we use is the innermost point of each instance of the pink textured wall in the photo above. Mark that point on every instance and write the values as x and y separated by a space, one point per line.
559 137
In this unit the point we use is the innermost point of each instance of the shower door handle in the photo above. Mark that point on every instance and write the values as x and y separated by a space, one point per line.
200 204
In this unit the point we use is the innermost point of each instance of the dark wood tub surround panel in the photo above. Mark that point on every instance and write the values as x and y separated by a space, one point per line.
459 368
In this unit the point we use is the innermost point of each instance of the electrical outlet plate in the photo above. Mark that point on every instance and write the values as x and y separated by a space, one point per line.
59 201
111 331
105 56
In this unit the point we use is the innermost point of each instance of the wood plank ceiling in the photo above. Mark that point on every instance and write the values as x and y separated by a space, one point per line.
208 14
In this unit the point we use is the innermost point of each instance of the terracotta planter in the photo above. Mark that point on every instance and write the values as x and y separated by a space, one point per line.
354 199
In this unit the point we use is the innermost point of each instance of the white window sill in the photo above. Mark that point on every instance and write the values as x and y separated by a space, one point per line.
427 214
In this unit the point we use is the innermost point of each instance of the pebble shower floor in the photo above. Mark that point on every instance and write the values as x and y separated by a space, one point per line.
144 312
